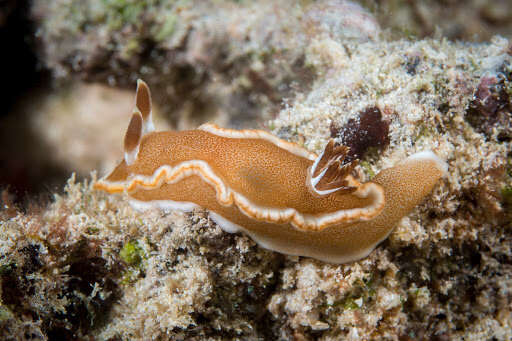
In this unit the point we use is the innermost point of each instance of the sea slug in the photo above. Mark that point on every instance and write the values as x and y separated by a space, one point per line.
284 197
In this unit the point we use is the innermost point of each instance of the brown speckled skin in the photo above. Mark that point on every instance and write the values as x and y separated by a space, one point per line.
271 177
267 175
133 133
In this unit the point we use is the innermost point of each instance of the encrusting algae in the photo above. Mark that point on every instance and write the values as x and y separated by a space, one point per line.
286 198
88 265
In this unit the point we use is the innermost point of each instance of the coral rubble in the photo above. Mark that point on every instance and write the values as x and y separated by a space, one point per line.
89 265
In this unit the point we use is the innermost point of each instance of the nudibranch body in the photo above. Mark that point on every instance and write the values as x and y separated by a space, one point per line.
287 199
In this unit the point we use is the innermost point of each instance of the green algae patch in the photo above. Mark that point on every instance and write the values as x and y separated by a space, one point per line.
506 194
350 303
5 314
367 168
121 12
132 253
167 29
